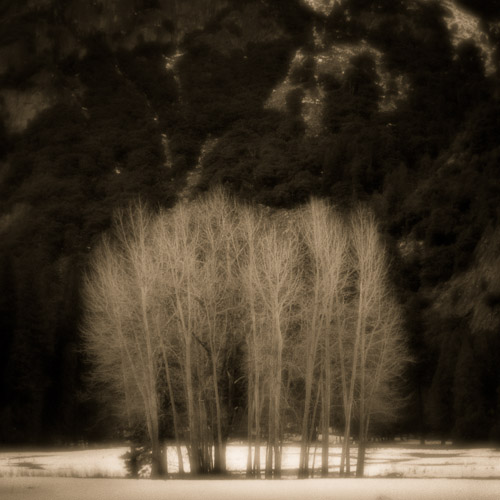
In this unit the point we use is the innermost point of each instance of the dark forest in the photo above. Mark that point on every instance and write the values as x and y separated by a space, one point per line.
377 101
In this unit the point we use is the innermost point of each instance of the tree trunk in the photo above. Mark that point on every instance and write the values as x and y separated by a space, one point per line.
180 459
360 465
193 421
250 420
363 440
325 431
257 465
277 404
219 462
305 443
158 462
326 408
270 439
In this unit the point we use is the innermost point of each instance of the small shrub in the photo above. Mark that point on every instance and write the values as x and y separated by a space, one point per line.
137 460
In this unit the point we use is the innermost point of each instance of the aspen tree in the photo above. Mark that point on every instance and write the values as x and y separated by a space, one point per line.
379 351
251 228
277 285
218 286
304 294
178 238
326 277
119 289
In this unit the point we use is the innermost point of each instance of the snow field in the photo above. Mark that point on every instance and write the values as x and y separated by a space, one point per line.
404 460
44 488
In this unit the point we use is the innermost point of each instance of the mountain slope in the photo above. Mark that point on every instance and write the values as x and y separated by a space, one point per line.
391 103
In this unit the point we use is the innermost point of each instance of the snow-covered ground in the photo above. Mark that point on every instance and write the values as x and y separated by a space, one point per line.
432 472
404 459
105 462
43 488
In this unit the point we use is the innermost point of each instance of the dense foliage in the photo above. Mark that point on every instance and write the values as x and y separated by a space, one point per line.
128 94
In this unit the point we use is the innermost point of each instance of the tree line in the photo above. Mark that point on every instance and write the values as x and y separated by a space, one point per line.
216 314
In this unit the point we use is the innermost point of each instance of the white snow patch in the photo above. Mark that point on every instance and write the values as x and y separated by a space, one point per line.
105 462
194 176
441 462
322 6
172 61
465 26
312 101
319 489
335 60
402 460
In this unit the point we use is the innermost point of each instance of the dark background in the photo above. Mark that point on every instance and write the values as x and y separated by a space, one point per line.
88 108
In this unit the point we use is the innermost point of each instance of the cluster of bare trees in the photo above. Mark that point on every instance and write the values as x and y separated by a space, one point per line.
186 305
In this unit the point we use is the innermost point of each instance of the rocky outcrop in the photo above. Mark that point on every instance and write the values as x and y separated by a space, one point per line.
475 293
20 107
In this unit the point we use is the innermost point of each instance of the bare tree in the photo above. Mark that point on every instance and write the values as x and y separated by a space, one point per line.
118 332
166 329
218 287
272 283
252 226
380 351
177 239
197 247
326 279
170 296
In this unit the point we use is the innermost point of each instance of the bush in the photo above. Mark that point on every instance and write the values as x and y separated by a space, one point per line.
137 461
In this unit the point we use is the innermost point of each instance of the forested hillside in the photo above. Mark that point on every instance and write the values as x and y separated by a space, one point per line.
395 104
